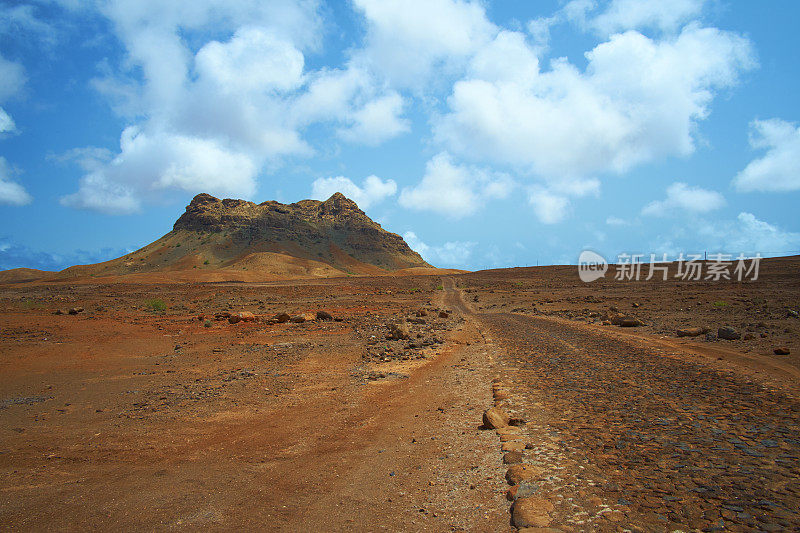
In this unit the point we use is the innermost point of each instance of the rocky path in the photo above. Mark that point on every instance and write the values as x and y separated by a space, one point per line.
625 437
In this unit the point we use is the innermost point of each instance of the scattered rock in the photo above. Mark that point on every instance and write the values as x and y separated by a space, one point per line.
234 319
791 313
518 473
749 336
282 317
513 446
297 319
631 323
421 312
444 314
781 351
76 310
324 315
516 421
61 312
763 335
531 512
691 332
494 418
728 333
412 320
246 316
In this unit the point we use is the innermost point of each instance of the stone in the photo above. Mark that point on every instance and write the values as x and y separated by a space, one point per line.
324 315
494 418
749 336
728 333
398 331
413 320
513 446
246 316
444 314
421 312
631 323
508 430
691 332
512 458
518 473
501 395
297 319
781 351
76 310
234 319
531 512
282 317
61 312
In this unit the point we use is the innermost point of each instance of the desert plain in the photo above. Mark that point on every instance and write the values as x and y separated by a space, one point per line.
358 403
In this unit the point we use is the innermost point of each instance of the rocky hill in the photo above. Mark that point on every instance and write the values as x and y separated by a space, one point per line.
218 240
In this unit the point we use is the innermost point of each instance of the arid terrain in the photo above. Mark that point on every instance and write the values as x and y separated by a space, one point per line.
159 407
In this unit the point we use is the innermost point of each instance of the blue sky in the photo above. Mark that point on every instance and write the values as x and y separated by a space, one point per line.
488 134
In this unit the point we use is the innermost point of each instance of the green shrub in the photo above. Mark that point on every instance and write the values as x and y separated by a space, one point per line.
205 262
156 305
720 304
207 323
439 288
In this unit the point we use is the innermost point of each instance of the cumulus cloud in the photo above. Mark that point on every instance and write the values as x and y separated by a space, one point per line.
779 168
749 235
377 121
450 254
455 190
11 192
638 100
408 41
548 207
373 190
681 196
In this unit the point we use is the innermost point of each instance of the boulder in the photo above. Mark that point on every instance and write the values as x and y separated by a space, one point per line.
413 320
324 315
728 333
282 317
691 332
234 319
513 446
76 310
494 418
531 512
781 351
444 314
246 316
297 319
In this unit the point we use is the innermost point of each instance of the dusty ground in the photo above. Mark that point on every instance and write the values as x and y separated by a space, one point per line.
126 417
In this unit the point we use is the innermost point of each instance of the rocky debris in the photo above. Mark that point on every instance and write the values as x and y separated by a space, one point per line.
516 421
76 310
413 320
791 313
691 332
297 319
531 512
518 473
495 418
781 351
324 315
61 312
513 446
728 333
421 313
282 318
398 331
631 323
444 314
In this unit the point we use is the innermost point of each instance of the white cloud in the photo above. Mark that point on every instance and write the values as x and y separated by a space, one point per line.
11 192
747 234
681 196
6 122
778 169
548 207
454 190
377 121
622 15
373 190
637 101
408 41
254 60
166 161
615 221
450 254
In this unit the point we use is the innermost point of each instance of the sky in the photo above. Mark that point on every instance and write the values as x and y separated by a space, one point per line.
487 134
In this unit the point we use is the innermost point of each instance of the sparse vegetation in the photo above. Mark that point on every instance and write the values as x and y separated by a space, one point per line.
207 324
439 288
720 303
205 262
155 305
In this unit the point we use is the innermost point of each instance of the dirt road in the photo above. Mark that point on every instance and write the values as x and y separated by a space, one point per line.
641 438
